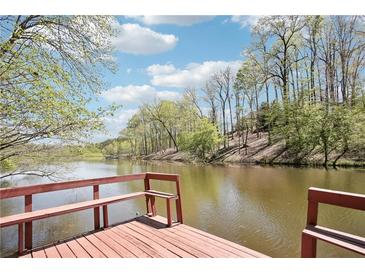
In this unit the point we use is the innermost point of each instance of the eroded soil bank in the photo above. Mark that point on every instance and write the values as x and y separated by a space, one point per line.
258 151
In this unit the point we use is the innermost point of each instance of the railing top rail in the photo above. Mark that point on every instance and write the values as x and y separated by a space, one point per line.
49 187
338 198
162 176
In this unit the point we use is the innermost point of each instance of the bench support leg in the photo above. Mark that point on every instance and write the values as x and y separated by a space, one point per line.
168 210
179 211
153 206
105 216
309 246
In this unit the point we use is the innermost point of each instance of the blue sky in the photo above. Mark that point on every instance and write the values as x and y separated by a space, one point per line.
159 56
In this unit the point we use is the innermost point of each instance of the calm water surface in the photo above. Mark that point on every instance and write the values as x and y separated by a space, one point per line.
263 208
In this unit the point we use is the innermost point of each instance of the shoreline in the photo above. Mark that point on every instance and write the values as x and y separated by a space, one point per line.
257 151
247 163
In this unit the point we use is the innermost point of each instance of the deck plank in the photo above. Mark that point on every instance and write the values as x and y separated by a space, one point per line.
244 249
164 253
122 251
109 253
216 238
65 251
220 245
139 253
189 242
161 241
91 249
77 249
173 240
51 252
39 254
219 251
137 242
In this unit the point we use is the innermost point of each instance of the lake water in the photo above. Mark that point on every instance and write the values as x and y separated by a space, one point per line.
263 208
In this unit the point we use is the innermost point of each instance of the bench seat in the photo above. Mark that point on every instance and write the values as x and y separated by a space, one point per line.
55 211
342 239
161 194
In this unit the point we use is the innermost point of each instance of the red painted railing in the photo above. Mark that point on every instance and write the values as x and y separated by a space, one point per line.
312 232
28 192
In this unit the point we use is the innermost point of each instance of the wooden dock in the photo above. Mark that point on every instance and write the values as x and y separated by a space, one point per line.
152 236
145 237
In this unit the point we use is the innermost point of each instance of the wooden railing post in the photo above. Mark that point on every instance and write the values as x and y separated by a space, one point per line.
178 201
147 186
309 244
28 225
312 213
97 209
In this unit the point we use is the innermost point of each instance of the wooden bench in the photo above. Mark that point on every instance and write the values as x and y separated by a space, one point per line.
312 232
168 197
60 210
29 215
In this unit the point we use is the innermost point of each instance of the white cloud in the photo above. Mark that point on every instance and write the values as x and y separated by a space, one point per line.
157 69
137 94
134 39
114 124
245 20
180 20
129 70
194 74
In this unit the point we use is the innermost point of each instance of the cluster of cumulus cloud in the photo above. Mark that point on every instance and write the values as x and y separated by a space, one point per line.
165 80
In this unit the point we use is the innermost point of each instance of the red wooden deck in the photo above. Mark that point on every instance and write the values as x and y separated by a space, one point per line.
145 237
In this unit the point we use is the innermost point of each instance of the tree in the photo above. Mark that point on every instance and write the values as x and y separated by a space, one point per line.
204 139
285 30
50 70
222 82
165 113
311 69
250 81
192 96
210 98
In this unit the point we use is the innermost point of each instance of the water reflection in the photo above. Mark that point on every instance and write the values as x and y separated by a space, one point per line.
263 208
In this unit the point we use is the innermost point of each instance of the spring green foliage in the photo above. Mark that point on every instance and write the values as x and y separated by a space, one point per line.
203 140
310 127
115 148
50 70
165 124
311 69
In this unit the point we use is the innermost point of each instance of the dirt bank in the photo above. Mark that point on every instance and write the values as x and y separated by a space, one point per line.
258 151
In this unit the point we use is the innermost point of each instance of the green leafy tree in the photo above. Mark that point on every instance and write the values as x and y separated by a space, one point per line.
50 69
203 140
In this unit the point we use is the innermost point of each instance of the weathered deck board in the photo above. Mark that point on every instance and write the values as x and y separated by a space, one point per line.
77 249
92 250
145 237
173 240
51 252
193 242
